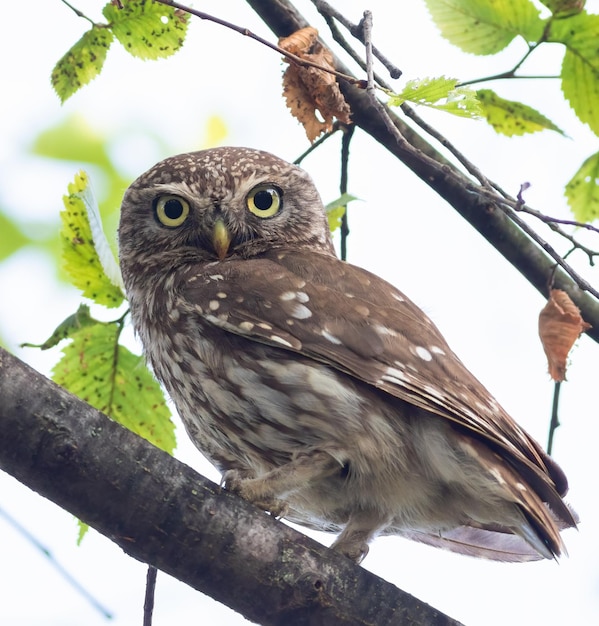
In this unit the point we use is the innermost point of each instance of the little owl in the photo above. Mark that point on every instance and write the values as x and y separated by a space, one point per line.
321 392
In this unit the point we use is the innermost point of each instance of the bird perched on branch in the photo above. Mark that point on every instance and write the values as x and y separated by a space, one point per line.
321 392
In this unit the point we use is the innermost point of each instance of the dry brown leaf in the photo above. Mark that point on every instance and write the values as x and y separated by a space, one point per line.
560 325
308 90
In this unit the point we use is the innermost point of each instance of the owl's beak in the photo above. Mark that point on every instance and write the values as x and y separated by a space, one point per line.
221 239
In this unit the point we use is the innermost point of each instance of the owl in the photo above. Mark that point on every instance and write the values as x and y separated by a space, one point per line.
320 391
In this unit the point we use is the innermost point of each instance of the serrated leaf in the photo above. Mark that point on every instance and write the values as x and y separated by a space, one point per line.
511 118
82 63
580 85
80 319
336 210
582 191
117 382
80 257
146 29
580 67
486 26
439 93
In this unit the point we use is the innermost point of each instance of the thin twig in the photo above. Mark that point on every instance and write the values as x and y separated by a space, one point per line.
248 33
554 423
149 597
56 565
78 13
336 126
325 9
366 24
345 142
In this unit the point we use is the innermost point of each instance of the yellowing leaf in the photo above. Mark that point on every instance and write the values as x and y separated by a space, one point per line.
147 29
439 93
115 381
512 118
81 259
336 210
485 26
582 190
82 63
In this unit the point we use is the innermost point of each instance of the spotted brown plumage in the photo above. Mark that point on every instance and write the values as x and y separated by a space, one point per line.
319 390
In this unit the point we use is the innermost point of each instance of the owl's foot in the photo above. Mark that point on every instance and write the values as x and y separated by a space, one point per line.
245 485
359 531
265 491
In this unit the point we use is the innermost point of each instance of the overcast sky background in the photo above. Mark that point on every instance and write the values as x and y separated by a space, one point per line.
401 231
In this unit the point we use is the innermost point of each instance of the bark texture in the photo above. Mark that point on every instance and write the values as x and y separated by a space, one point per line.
162 512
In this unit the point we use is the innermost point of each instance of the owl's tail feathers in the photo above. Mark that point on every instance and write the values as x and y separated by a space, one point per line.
479 542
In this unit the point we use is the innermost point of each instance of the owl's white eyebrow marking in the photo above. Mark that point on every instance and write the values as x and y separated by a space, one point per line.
423 353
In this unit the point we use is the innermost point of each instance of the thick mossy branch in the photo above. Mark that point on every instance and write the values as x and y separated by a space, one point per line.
161 512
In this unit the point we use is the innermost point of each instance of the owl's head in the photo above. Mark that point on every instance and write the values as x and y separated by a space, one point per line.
217 204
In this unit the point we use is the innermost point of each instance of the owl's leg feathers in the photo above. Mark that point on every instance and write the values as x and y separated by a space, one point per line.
268 490
361 528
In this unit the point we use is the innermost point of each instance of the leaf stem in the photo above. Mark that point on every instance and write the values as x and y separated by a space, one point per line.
79 13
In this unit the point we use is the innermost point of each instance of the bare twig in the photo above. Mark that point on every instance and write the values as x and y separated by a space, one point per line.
34 541
149 598
248 33
327 11
554 423
345 142
79 13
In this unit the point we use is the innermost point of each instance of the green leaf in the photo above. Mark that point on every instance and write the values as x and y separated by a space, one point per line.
511 118
65 329
147 29
80 257
439 93
580 68
336 210
82 63
582 191
117 382
486 26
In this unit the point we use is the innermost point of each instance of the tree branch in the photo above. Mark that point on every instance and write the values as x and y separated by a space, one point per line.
161 512
486 215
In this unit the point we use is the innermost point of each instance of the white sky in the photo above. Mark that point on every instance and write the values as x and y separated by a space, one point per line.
401 231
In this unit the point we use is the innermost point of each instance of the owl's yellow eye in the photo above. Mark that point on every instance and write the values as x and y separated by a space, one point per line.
264 201
172 211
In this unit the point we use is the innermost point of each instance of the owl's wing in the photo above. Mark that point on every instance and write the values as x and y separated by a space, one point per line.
358 323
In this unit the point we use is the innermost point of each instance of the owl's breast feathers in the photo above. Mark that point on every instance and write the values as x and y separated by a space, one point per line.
357 323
